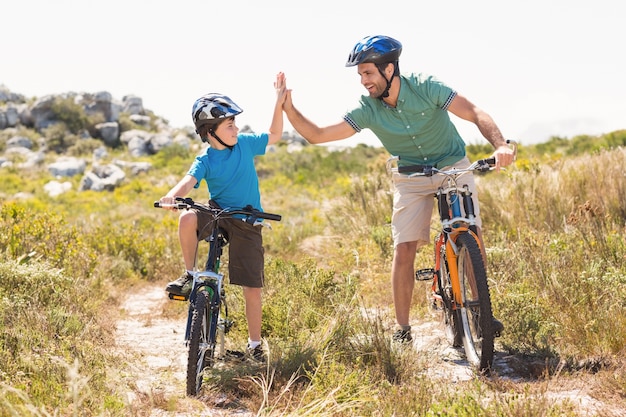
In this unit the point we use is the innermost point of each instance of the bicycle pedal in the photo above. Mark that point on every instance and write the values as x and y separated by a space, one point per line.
177 297
234 355
227 325
424 274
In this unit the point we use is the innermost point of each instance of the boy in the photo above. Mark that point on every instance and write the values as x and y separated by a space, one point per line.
227 166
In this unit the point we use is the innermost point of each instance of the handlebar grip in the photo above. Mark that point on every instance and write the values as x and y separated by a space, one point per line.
158 204
270 216
484 165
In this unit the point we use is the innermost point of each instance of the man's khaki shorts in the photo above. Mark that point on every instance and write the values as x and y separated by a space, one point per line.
414 201
245 249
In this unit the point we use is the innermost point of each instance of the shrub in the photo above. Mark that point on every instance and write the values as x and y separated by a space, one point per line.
70 114
48 320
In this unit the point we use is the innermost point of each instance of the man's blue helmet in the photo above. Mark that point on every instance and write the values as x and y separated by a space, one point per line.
378 49
212 107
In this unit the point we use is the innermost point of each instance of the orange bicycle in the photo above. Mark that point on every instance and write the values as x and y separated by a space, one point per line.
460 290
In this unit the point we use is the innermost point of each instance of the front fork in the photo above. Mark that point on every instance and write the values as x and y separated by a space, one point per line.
445 246
214 302
449 204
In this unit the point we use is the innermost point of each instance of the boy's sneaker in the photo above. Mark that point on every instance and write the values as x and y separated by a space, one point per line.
181 286
256 354
498 327
402 336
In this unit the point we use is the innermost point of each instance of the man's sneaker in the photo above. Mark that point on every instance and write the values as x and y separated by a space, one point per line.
256 354
402 336
181 286
498 327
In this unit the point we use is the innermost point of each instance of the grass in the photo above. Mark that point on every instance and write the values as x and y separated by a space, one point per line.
555 237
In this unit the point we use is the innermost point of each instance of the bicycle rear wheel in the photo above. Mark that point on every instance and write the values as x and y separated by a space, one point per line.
201 344
475 314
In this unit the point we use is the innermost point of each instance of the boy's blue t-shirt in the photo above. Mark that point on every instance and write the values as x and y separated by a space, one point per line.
230 174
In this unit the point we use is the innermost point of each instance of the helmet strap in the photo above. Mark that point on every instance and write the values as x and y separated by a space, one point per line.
385 93
396 71
212 133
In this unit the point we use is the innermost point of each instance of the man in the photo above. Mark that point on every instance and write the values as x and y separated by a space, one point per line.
409 115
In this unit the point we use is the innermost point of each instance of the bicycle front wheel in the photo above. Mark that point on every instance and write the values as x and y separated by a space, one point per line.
475 313
201 344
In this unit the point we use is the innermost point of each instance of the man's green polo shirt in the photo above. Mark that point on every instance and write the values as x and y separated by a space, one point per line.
418 129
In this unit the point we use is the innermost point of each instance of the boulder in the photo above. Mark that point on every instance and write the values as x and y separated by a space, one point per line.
132 104
101 103
102 177
42 114
109 132
20 141
158 142
56 188
67 167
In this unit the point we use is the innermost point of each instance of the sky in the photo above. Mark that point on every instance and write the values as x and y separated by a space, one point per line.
540 68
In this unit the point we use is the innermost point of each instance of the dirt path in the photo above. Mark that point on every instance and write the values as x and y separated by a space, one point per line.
155 356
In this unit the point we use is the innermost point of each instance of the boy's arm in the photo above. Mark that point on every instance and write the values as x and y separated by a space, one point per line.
181 189
276 128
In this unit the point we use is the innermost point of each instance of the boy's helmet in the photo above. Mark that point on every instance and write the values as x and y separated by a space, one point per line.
376 49
212 107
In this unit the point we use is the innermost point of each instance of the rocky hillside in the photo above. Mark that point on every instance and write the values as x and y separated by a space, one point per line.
71 134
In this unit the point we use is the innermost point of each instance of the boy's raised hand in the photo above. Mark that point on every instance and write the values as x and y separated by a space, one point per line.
280 85
280 80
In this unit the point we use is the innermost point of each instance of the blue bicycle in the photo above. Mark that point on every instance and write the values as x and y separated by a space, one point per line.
207 319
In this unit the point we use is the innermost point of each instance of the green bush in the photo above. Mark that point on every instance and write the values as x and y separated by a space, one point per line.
300 296
70 114
84 147
27 232
58 139
48 320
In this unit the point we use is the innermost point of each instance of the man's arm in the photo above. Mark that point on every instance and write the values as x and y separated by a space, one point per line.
310 131
466 110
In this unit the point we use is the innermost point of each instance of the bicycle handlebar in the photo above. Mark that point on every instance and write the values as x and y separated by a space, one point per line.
481 165
251 214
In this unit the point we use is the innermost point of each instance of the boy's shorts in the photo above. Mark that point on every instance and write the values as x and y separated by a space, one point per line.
245 249
414 201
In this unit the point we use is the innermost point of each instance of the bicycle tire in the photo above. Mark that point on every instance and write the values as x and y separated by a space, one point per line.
201 347
450 316
475 314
